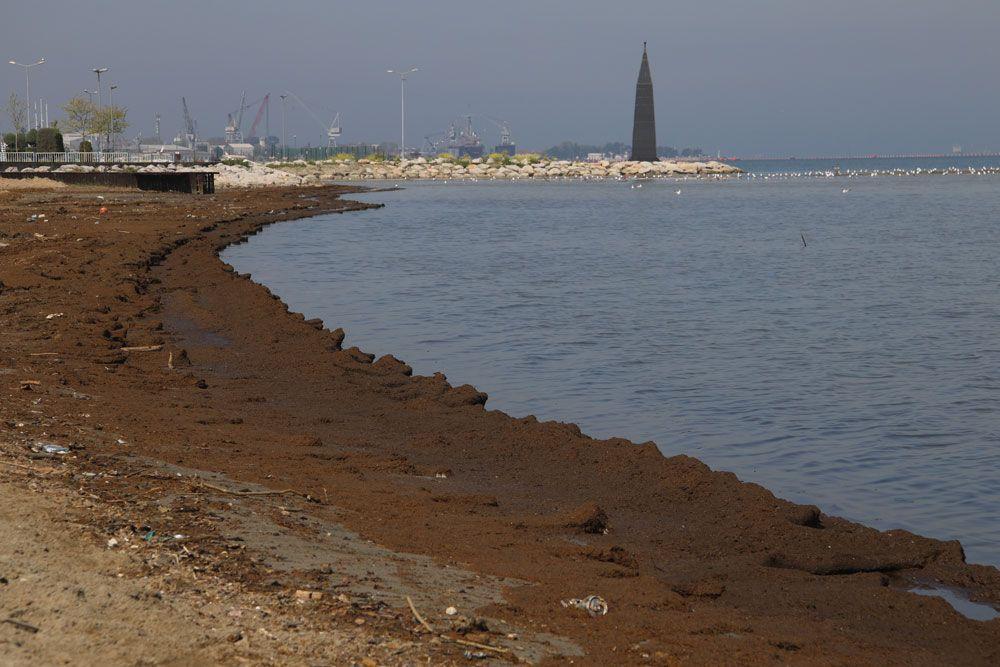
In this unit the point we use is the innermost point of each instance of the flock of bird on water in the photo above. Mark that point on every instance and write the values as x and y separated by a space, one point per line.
770 176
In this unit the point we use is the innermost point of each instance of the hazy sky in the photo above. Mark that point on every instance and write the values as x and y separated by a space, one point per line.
790 77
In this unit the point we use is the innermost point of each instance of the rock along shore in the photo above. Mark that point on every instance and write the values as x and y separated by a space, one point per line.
511 169
246 174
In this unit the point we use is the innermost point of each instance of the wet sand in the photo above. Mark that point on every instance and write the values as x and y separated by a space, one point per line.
206 378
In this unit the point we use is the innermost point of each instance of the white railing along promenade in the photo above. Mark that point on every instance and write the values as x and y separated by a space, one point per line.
95 157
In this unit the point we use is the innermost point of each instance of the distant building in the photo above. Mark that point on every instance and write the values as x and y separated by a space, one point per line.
644 121
71 141
166 149
239 150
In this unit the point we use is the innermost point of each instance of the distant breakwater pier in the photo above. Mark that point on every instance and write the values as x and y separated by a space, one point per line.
510 169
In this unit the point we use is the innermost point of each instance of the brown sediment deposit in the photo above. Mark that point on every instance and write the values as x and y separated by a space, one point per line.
227 456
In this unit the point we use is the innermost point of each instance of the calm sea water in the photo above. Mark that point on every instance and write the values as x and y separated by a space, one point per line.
860 372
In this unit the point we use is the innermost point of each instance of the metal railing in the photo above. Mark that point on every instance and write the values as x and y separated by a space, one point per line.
96 157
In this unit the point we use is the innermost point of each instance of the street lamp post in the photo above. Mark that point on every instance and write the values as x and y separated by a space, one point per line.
111 116
91 94
100 101
283 126
402 106
27 87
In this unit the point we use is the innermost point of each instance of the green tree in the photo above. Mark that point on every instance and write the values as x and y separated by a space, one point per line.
110 121
49 140
80 113
17 113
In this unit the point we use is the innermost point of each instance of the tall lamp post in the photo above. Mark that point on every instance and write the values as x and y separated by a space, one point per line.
100 101
90 93
283 126
27 87
402 106
111 116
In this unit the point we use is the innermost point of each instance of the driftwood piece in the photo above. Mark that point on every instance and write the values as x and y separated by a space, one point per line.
269 492
463 642
416 615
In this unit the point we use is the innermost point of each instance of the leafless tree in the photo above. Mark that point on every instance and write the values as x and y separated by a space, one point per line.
18 114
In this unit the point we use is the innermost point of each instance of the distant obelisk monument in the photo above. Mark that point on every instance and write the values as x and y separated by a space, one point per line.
644 125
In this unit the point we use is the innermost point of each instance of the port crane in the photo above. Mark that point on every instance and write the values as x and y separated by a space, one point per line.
234 120
333 130
435 141
260 114
189 125
504 130
234 128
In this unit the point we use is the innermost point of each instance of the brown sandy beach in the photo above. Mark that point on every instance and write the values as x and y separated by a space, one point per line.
232 454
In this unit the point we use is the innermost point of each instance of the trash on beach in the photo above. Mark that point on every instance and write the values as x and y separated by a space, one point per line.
52 448
451 611
103 210
149 536
302 595
477 655
112 543
592 604
52 316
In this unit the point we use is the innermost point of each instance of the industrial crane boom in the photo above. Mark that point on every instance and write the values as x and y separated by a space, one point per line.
260 114
239 118
188 122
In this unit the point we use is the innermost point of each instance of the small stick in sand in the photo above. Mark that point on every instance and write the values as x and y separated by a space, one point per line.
466 642
143 348
416 614
259 493
21 625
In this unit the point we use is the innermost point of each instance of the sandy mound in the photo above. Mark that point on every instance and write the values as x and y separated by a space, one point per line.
29 184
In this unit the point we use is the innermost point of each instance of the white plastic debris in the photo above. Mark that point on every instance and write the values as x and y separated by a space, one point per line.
451 611
51 448
592 604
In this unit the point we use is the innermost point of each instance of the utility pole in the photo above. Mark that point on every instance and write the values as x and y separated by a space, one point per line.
100 100
402 107
111 116
283 126
267 127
